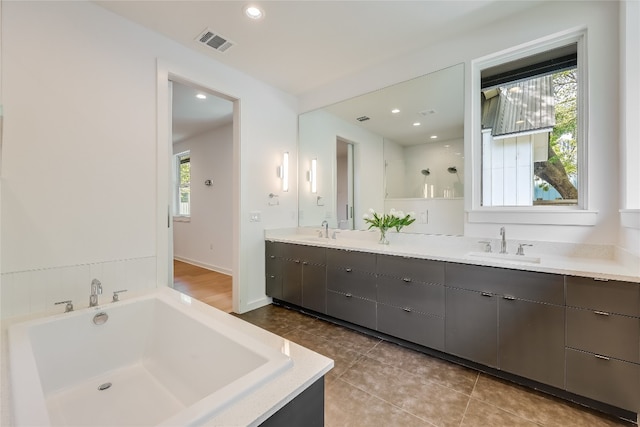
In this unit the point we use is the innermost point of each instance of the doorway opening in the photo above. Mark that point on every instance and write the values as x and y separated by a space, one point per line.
201 196
344 184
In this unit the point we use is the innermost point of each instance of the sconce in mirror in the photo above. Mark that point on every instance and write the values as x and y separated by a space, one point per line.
313 176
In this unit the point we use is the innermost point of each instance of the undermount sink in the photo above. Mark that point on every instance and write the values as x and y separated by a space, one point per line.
505 257
315 239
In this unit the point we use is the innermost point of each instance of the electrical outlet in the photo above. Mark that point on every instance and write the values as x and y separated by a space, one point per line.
424 217
254 216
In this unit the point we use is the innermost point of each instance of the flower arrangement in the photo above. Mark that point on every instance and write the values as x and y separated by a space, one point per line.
384 222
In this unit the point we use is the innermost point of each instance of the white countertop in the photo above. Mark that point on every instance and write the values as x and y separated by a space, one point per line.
596 261
251 410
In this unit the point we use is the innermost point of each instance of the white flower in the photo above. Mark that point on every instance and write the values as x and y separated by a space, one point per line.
392 211
400 214
365 216
371 210
412 214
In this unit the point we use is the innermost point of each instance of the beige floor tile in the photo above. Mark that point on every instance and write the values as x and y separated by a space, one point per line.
538 407
432 402
348 406
430 368
480 414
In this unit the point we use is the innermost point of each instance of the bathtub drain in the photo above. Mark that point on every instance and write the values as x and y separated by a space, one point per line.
104 386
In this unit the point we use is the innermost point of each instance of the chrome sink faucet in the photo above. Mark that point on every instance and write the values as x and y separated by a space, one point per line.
325 224
96 289
503 242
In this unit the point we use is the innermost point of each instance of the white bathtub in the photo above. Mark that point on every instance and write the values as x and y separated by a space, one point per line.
169 365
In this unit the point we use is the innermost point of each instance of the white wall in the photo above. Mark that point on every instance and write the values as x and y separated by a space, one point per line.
318 133
206 238
79 152
601 20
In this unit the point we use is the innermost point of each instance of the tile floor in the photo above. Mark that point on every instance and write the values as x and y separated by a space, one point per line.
376 383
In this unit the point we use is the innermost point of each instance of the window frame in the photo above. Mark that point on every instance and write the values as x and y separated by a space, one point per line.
579 214
177 185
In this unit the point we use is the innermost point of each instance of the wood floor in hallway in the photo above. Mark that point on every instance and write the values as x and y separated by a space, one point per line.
208 286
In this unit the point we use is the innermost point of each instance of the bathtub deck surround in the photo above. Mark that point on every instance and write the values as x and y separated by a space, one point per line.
142 365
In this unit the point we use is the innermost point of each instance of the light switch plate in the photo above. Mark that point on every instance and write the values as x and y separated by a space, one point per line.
255 216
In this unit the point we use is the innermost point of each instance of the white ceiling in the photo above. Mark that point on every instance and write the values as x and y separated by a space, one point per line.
302 45
192 116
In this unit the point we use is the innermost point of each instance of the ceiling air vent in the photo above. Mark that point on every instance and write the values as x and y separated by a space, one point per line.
214 40
362 119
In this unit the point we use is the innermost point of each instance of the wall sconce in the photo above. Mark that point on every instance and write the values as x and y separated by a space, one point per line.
283 171
313 176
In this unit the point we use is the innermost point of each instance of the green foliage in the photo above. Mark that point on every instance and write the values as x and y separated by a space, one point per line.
564 137
394 219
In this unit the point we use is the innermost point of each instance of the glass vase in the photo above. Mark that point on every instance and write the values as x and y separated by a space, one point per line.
383 236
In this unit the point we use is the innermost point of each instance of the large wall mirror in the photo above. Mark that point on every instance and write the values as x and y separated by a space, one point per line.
398 147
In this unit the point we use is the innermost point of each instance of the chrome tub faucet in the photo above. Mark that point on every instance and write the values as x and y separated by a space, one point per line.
96 289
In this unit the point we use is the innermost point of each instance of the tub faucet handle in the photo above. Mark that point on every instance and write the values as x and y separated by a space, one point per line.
68 307
116 297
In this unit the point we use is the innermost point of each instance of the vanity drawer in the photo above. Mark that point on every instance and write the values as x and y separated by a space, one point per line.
520 284
307 254
611 381
406 293
415 327
420 270
352 309
360 261
352 282
603 333
610 296
273 249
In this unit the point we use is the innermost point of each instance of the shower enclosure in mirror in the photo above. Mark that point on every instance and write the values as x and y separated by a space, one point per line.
406 152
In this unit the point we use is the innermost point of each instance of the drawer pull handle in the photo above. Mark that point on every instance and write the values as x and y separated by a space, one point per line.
601 313
348 270
348 295
509 298
305 263
601 279
297 261
406 279
486 294
601 357
272 277
407 309
272 256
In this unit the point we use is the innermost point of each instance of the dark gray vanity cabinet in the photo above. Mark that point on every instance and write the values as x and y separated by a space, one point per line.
273 269
603 341
351 286
410 295
512 320
471 326
304 276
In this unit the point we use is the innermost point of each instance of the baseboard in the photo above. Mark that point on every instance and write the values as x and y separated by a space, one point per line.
204 265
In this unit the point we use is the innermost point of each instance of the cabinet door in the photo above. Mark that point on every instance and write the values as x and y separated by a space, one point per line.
608 380
314 287
471 325
531 340
411 326
292 281
352 309
604 333
273 269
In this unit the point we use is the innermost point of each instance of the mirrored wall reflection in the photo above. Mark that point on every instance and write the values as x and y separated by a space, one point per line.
431 170
407 143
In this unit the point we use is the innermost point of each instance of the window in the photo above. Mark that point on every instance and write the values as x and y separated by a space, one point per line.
529 125
183 184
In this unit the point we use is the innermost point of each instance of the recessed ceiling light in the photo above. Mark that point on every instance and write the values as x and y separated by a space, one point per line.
254 12
434 137
395 111
416 124
201 96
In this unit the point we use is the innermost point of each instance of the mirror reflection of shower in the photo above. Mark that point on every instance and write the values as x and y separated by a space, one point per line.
458 188
427 189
